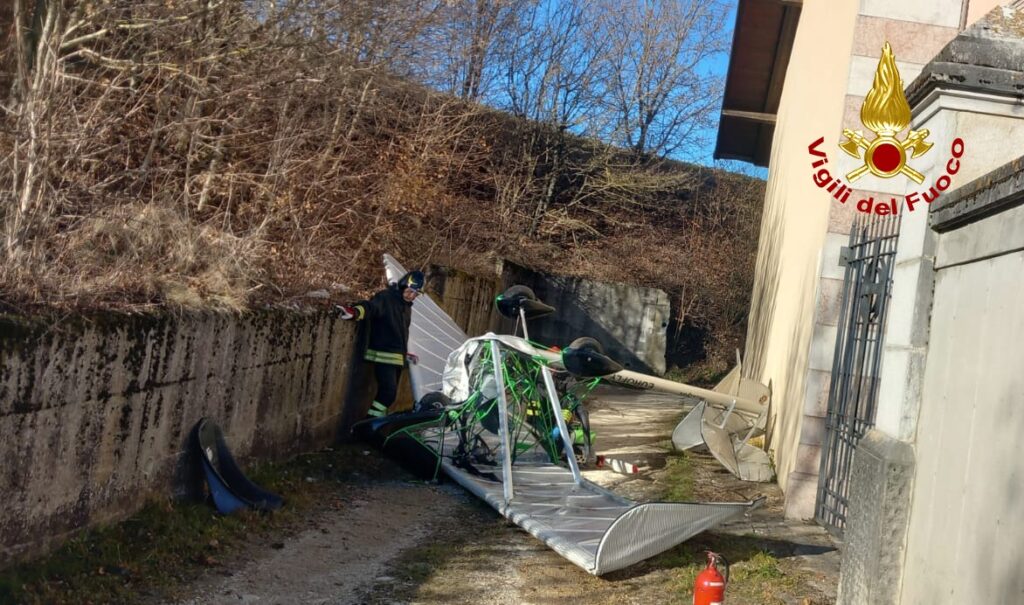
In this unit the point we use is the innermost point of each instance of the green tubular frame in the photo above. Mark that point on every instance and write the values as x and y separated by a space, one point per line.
530 417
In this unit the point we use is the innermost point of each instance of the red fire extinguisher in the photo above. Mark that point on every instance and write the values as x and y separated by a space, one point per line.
709 589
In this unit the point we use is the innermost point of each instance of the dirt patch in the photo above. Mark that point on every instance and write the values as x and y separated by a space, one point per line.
341 552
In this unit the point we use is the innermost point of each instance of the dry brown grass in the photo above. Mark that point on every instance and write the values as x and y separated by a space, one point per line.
152 156
162 256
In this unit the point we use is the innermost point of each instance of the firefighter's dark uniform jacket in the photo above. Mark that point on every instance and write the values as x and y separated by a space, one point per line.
389 316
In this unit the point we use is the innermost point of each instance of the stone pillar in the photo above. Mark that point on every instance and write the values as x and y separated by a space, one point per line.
883 473
883 465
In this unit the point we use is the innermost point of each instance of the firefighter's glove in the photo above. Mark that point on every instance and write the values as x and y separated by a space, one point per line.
412 358
345 311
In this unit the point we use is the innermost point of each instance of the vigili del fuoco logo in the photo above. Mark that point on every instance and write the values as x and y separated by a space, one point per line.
886 113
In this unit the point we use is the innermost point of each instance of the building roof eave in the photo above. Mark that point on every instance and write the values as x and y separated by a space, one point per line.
762 43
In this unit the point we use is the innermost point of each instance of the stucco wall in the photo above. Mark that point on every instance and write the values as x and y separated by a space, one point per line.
95 412
795 220
966 535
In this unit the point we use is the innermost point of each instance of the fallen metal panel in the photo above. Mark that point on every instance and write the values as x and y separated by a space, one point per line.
648 529
590 526
687 434
740 458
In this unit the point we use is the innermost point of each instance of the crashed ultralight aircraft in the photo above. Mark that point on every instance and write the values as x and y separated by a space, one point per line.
504 418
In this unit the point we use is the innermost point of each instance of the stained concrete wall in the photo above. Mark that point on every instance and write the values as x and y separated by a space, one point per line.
468 299
630 321
95 414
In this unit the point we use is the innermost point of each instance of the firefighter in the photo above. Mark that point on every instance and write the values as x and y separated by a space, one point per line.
389 313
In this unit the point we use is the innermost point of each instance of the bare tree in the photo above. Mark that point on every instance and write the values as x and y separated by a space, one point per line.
657 94
463 43
551 68
549 79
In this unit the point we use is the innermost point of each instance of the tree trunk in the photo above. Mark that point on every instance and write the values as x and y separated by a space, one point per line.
551 187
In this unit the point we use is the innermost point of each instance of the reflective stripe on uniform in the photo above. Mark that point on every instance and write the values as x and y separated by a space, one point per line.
395 359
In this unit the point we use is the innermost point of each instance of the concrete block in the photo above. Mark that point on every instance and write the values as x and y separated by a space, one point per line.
812 431
808 459
830 267
990 125
841 216
916 239
830 299
875 535
851 118
990 236
801 492
899 394
944 13
816 393
918 42
862 72
889 408
823 344
910 305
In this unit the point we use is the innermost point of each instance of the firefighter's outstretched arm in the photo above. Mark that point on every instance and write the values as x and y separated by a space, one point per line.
354 311
359 311
347 312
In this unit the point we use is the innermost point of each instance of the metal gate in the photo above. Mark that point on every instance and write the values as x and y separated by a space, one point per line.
855 366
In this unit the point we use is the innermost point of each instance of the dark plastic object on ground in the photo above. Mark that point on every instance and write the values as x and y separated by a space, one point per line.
230 489
389 434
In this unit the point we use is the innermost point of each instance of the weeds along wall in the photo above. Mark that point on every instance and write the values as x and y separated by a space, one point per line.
96 413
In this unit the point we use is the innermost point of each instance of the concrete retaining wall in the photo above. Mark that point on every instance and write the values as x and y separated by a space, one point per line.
630 321
468 299
95 415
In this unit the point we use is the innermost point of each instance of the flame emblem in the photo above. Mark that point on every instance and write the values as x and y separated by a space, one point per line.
886 112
